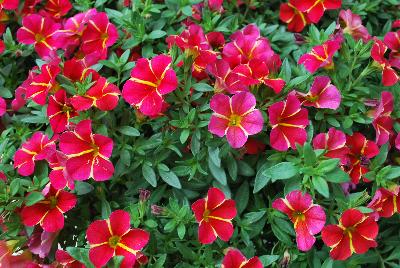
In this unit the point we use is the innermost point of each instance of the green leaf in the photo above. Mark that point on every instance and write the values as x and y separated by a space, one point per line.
105 209
156 34
309 155
213 153
82 187
81 255
33 198
149 175
283 171
262 178
170 178
321 186
242 197
203 87
129 131
393 173
381 157
217 172
328 165
337 176
181 230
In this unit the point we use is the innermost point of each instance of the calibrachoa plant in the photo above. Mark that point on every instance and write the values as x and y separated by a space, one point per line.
199 133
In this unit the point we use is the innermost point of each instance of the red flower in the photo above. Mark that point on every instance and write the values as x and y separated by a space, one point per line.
9 260
397 141
102 95
352 24
315 8
320 56
361 150
195 44
9 4
150 79
114 237
66 260
20 100
308 218
78 70
389 75
2 46
60 111
3 106
235 117
225 79
288 122
355 233
254 146
235 259
41 32
383 123
49 212
99 34
334 144
214 215
57 8
43 84
386 202
40 241
38 147
59 177
322 94
88 154
295 19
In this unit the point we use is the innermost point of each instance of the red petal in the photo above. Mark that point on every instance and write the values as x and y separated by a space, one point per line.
53 221
98 232
120 222
100 255
206 233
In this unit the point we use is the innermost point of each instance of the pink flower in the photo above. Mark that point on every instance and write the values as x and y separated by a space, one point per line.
42 32
334 144
352 24
383 122
288 122
40 241
60 111
59 177
88 154
308 218
235 117
322 94
3 106
38 147
150 80
43 84
9 4
295 19
320 56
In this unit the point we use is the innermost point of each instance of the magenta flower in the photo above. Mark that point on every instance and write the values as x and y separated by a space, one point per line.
235 117
322 94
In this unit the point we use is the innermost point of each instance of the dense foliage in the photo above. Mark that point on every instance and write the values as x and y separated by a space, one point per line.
190 133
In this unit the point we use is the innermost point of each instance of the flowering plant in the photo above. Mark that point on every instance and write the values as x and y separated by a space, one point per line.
199 133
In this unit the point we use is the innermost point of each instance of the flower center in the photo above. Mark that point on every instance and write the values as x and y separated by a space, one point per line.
349 230
311 98
299 215
113 241
53 201
66 109
206 214
104 36
39 38
96 149
235 120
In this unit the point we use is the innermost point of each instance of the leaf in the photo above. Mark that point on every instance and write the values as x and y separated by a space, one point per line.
328 165
157 34
203 87
393 173
105 209
262 178
33 198
181 230
321 186
170 178
381 157
337 176
81 255
283 171
82 187
309 155
218 172
242 197
149 175
129 131
213 153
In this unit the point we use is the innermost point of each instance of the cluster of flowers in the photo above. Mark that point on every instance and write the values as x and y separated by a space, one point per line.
238 66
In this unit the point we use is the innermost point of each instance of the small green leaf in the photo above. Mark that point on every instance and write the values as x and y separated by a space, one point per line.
156 34
283 171
337 176
321 186
82 187
33 198
149 175
129 131
170 178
